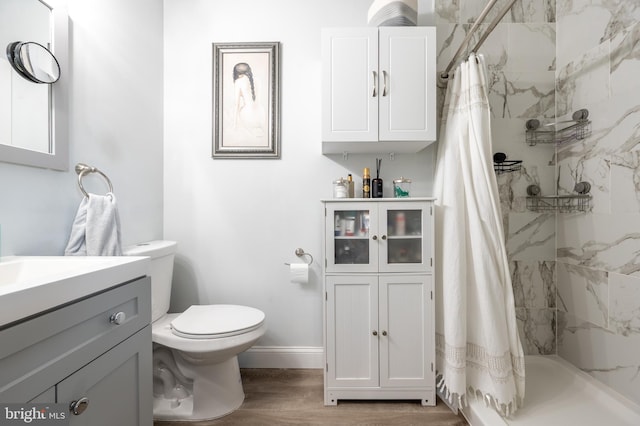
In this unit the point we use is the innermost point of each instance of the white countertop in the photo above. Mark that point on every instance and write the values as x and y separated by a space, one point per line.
33 284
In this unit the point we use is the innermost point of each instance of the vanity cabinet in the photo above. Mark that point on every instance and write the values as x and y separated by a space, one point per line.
378 309
379 89
94 353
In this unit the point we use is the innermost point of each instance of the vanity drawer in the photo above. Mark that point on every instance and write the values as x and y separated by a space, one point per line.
43 350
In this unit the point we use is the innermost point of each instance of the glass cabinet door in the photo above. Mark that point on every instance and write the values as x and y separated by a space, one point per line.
349 238
406 236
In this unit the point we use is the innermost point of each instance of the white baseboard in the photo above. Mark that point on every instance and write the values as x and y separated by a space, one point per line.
282 357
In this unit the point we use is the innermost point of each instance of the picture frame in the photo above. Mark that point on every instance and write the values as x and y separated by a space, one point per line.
246 98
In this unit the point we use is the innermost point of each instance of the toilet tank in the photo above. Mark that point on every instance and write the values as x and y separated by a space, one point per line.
162 254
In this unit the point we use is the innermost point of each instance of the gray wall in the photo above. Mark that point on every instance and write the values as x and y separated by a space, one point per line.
115 124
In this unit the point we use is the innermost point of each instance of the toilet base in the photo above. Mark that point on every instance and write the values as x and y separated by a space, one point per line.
217 391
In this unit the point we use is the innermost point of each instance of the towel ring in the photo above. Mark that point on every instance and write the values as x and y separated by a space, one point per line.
83 169
300 252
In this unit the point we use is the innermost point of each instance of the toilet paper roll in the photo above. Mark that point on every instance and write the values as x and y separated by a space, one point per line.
299 273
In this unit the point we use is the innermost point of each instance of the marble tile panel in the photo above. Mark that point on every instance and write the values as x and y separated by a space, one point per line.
608 242
521 94
533 284
609 357
624 304
521 11
536 328
614 129
584 24
625 182
625 62
584 293
533 11
531 236
531 47
508 136
583 81
450 37
594 170
447 11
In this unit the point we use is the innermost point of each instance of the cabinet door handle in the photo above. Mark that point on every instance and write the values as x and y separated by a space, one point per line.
384 237
375 237
384 332
375 84
375 333
78 407
117 318
384 89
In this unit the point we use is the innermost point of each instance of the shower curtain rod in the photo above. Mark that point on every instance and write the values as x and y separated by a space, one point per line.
474 28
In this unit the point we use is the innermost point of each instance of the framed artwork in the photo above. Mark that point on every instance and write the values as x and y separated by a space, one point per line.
246 100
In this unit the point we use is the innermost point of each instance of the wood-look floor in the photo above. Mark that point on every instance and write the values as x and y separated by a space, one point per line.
295 397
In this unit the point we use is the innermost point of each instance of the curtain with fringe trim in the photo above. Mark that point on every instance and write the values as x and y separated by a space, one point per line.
478 350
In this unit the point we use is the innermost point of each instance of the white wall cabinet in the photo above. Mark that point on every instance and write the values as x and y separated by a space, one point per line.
379 89
379 317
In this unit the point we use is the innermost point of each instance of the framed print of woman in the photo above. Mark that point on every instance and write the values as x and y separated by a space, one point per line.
250 117
246 100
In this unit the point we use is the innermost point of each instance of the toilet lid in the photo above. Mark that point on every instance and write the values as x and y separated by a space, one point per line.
215 321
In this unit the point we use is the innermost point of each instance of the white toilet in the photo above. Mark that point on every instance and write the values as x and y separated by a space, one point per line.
195 363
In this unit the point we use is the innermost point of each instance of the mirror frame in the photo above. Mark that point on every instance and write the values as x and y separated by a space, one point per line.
58 157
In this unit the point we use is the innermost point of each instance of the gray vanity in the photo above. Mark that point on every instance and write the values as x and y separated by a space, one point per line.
80 337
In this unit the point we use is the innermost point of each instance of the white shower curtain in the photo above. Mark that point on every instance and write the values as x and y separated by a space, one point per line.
478 349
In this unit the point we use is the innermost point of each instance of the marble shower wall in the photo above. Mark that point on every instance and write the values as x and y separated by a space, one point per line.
576 276
521 64
598 253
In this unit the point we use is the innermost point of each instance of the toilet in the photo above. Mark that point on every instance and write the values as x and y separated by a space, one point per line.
195 353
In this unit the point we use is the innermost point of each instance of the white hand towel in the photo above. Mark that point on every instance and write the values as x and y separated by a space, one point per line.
96 228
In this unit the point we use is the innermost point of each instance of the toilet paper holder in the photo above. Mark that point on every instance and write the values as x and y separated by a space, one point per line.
300 252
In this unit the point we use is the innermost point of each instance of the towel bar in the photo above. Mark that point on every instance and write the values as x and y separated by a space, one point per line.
83 169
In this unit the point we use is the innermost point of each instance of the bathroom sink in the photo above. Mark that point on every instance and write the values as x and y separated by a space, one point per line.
32 284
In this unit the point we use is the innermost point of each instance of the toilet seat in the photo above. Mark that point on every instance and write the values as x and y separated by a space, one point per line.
216 321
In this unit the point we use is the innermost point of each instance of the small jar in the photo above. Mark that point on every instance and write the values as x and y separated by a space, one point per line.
340 188
401 187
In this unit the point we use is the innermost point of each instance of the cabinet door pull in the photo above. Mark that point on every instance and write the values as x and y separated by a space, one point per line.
375 333
78 407
384 237
384 89
375 84
375 237
384 332
117 318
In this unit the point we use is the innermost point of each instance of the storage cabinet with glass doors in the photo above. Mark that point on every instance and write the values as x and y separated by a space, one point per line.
379 317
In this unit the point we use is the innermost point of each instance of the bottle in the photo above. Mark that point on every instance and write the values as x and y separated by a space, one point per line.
376 188
340 188
400 224
350 185
366 183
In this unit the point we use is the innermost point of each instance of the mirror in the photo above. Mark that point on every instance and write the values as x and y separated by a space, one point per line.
33 117
33 62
